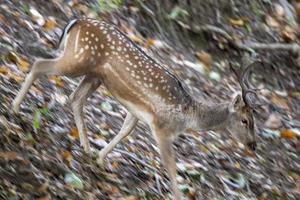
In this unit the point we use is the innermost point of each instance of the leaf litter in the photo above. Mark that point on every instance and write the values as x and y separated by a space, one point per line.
45 153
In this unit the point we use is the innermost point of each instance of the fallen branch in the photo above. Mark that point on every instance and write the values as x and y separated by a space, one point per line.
292 47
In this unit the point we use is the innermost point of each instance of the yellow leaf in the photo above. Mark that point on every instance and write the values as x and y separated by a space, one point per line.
23 65
57 80
149 43
50 24
288 134
236 22
135 38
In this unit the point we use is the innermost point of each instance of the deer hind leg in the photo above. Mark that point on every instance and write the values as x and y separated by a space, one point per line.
168 159
39 68
128 125
78 98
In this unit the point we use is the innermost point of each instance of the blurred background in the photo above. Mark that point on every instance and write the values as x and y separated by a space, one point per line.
40 156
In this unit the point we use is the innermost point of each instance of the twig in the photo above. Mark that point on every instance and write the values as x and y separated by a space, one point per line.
128 155
294 47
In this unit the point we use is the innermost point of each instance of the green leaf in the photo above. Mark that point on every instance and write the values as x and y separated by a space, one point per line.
177 12
72 180
37 119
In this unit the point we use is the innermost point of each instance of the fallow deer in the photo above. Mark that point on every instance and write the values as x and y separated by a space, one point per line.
101 53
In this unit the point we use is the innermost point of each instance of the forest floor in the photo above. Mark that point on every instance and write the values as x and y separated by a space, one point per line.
40 155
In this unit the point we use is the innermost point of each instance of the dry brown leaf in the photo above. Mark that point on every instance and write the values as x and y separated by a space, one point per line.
66 155
4 70
280 101
114 165
297 8
131 198
16 78
12 57
74 133
288 34
8 155
50 24
288 134
44 198
205 58
236 22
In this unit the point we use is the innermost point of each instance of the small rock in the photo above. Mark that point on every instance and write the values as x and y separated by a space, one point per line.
215 76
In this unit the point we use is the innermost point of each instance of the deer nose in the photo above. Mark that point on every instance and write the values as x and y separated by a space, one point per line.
252 145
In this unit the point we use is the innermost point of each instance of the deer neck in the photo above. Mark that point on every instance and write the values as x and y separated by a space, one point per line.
209 116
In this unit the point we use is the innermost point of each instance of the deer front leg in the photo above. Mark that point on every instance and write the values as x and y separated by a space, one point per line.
128 125
168 159
78 98
39 68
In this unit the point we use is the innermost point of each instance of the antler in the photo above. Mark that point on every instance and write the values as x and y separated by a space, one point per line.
249 95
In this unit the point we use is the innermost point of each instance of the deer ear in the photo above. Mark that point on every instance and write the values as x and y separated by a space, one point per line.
236 103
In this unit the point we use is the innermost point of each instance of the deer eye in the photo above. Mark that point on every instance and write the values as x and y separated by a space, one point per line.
244 121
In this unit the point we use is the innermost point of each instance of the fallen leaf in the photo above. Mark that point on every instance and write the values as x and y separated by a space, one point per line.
8 155
57 81
237 22
74 133
288 134
280 101
270 21
23 65
4 70
205 58
114 165
66 155
288 34
50 24
12 57
16 78
135 38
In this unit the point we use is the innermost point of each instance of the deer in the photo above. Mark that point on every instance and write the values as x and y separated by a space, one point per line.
103 55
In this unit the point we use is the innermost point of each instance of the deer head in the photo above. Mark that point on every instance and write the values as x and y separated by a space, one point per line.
241 109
